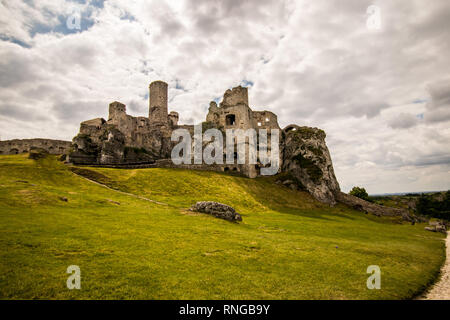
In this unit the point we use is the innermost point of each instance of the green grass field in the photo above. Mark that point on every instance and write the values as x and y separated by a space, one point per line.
288 246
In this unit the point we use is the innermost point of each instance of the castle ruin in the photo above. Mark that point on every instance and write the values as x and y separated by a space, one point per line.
124 141
136 142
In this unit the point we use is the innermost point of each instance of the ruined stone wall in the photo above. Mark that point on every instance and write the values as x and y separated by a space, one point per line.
230 116
138 131
264 120
17 146
241 114
173 119
167 163
231 168
90 127
234 113
118 117
237 95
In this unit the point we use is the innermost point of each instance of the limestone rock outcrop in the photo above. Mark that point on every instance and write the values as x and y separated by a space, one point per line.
436 226
306 157
373 208
107 144
217 209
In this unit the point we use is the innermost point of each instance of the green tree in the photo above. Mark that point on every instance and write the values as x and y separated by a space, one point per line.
360 193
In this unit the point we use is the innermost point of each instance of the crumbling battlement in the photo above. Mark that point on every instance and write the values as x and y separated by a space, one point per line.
235 96
234 113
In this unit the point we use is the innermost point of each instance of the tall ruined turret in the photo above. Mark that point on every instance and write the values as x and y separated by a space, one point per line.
117 111
158 111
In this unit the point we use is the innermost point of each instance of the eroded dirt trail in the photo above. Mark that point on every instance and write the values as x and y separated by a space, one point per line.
122 192
441 290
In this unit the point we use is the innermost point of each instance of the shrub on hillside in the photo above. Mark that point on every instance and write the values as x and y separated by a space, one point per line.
360 193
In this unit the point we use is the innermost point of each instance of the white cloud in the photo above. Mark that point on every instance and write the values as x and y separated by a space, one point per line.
403 121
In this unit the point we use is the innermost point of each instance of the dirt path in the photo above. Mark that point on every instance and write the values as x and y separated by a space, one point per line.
441 290
122 192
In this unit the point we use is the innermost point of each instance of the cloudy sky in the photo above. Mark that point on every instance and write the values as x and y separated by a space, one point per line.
380 88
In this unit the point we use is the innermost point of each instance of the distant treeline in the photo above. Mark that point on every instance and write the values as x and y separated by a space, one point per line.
430 205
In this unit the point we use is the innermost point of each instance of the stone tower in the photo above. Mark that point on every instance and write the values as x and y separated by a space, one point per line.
117 111
158 112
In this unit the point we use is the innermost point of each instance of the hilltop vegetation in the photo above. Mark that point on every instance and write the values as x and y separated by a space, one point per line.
435 205
288 245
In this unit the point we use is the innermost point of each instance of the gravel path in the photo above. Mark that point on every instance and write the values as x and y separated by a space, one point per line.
441 290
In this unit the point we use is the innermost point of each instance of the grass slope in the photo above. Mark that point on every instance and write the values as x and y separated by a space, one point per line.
287 247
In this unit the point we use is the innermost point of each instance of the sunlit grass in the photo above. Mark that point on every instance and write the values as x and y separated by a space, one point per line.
288 246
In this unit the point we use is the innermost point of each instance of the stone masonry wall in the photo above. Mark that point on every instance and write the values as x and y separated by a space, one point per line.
17 146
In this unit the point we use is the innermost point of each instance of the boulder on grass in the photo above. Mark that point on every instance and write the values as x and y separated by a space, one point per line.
439 226
436 227
217 209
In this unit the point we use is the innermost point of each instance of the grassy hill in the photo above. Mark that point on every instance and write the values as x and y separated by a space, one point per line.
288 246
